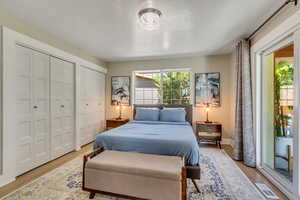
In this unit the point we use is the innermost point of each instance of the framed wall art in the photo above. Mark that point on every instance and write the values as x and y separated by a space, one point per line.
120 90
207 89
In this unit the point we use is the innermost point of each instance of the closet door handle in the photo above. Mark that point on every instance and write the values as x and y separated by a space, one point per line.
62 106
35 107
87 104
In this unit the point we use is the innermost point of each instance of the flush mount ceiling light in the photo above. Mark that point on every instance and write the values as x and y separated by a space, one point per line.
150 18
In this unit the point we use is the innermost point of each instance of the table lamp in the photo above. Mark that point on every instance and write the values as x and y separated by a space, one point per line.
119 107
207 108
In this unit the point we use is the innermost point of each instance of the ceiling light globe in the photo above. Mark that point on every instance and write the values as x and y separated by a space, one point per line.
150 18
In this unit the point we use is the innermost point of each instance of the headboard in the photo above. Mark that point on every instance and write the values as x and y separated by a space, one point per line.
188 109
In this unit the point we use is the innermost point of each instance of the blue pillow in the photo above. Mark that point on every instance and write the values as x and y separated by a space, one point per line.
172 115
147 114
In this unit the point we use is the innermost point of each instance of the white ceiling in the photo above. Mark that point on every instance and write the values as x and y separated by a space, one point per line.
109 30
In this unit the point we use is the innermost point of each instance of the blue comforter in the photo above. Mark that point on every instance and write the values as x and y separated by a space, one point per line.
162 138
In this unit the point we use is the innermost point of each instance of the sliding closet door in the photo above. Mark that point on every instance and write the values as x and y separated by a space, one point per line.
25 103
96 97
100 107
40 66
92 86
32 109
62 107
84 107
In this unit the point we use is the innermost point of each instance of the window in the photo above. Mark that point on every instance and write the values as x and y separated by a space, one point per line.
147 88
167 87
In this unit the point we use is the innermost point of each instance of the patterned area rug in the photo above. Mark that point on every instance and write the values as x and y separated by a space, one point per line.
221 180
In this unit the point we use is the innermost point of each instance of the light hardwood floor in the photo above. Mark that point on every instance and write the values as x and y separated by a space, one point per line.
253 174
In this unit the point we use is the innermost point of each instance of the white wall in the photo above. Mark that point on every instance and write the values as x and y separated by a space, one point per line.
222 64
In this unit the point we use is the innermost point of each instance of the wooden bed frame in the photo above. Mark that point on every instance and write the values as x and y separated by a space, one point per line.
193 172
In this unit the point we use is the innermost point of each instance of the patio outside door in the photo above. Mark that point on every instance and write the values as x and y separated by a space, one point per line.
278 112
276 70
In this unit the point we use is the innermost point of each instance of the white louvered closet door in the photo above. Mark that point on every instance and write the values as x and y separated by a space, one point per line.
92 86
84 103
100 107
32 109
62 107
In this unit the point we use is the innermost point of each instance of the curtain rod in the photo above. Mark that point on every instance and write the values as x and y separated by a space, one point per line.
273 15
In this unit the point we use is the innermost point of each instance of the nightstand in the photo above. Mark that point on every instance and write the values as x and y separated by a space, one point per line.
209 132
113 123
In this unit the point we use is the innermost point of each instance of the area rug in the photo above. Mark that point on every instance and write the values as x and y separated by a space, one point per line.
221 179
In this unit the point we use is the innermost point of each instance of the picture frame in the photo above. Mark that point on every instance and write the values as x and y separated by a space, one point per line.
120 90
207 89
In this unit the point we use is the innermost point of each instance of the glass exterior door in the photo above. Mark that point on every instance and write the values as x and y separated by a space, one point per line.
278 111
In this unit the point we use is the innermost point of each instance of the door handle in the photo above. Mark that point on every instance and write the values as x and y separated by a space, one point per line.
35 107
62 106
87 104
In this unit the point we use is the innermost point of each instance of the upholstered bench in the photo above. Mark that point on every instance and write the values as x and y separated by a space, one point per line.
134 175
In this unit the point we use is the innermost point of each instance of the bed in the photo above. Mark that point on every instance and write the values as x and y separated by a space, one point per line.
155 137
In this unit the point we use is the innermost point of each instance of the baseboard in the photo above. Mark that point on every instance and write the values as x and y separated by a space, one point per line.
6 181
227 141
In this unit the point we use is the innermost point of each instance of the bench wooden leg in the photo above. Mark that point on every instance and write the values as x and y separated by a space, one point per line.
92 195
196 186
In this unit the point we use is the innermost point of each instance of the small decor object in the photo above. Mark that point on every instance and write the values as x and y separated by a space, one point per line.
207 89
120 90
